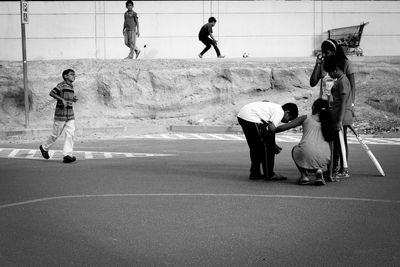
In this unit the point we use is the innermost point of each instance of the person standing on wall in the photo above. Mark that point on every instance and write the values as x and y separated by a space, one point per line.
131 30
206 31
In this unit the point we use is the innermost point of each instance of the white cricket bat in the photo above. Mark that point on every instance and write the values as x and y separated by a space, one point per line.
343 149
369 152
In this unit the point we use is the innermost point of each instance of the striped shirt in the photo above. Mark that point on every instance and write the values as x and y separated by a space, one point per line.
65 91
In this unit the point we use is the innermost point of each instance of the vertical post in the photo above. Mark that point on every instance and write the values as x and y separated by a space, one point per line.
24 20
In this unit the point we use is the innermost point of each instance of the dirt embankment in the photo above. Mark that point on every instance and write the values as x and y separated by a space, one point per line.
206 92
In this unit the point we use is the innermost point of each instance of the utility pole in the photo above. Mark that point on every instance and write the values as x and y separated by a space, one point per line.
25 20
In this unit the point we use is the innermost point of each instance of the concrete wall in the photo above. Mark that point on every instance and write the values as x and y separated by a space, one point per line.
93 29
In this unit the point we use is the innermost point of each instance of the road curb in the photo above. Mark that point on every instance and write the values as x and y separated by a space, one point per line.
88 131
205 129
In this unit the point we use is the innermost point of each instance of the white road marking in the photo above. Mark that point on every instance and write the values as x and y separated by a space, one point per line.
216 136
166 136
235 137
13 153
38 200
181 136
31 154
198 136
81 155
290 138
51 153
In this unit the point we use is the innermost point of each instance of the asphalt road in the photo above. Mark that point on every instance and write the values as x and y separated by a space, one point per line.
195 207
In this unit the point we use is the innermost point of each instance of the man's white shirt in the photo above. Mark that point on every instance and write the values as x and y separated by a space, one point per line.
268 111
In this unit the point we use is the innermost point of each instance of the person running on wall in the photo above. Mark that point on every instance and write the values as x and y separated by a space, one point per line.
329 49
341 108
206 31
312 154
261 141
131 30
64 119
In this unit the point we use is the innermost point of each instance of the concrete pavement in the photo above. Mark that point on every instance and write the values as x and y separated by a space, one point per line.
194 208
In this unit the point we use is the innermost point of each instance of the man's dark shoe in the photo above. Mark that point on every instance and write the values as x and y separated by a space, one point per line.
45 154
258 176
276 177
69 159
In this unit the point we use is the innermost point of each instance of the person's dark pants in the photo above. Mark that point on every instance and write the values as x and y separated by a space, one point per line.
262 147
208 43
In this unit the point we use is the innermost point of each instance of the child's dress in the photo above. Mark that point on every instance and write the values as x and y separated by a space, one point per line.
313 151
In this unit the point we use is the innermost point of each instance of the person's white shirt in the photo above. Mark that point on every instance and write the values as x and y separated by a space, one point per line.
268 111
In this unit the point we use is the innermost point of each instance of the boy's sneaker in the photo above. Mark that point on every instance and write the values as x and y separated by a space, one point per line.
319 178
138 53
69 159
343 174
221 56
45 154
200 56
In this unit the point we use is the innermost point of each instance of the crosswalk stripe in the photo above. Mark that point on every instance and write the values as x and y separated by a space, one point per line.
13 153
235 137
31 154
166 136
198 136
240 137
180 136
51 153
216 136
19 153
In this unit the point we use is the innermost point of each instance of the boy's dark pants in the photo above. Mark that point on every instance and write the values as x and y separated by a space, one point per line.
208 43
262 147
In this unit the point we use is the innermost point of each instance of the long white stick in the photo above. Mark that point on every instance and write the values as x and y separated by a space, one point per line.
343 149
369 152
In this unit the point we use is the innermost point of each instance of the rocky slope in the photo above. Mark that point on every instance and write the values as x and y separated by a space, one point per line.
208 92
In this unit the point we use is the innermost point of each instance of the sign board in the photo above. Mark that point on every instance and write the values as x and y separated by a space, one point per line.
24 12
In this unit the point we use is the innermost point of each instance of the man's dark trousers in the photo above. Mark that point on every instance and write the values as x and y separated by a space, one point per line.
262 147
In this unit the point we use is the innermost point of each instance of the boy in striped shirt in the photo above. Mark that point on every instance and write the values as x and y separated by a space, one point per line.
64 119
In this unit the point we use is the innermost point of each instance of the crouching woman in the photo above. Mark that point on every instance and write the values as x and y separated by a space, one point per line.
312 154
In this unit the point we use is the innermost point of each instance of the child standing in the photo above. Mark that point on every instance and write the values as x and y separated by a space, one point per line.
341 109
63 118
206 31
131 30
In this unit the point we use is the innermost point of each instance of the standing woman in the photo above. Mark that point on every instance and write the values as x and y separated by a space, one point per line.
330 48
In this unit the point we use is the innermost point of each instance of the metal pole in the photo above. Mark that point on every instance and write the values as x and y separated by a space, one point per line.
25 69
